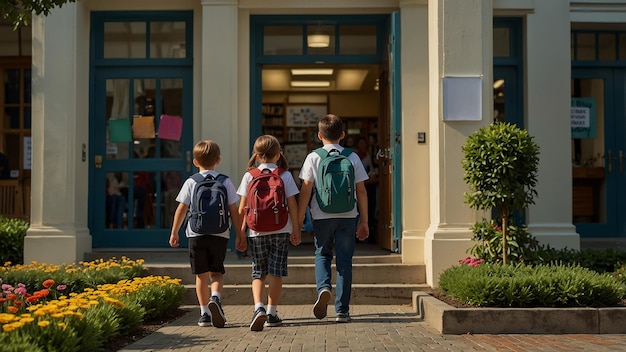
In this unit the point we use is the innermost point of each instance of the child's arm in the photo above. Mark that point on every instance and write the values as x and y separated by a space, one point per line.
303 201
179 217
236 218
363 229
297 227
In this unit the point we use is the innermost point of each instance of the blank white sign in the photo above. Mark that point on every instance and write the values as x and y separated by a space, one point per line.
462 98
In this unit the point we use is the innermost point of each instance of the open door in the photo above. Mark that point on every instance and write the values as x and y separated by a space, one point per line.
389 231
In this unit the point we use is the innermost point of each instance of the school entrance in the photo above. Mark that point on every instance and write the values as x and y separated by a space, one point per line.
304 67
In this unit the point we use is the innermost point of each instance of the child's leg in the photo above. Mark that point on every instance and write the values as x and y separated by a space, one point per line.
202 288
274 291
217 284
258 290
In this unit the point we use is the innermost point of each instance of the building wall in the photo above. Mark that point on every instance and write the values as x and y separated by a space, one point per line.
438 38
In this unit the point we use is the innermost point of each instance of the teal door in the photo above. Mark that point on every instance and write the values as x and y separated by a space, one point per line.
598 146
137 168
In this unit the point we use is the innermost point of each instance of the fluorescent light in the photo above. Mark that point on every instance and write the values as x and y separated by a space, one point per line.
318 40
310 84
311 71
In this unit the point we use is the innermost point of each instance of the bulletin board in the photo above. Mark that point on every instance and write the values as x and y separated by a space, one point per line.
303 115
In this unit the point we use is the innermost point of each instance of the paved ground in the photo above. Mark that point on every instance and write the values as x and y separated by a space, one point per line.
373 328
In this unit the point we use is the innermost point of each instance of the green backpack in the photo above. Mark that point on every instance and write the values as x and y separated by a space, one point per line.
335 181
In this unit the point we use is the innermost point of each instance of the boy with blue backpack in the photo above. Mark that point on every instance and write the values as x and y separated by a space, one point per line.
208 200
333 185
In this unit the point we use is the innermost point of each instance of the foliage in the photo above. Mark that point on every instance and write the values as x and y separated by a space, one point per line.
521 245
12 233
77 277
19 12
500 163
599 260
54 319
493 285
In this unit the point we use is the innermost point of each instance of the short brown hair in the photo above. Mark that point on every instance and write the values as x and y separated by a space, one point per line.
206 153
330 127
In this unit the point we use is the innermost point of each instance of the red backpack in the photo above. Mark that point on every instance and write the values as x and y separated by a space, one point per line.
266 205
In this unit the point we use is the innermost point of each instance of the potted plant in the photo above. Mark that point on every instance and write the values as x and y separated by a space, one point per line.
500 164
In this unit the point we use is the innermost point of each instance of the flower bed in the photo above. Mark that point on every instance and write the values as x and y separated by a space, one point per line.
85 311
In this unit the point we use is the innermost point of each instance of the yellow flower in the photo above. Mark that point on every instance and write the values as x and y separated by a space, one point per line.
43 323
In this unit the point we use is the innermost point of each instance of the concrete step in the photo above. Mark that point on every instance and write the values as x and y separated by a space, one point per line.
240 274
298 294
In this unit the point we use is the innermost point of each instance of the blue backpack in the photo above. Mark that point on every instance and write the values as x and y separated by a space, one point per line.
335 186
208 211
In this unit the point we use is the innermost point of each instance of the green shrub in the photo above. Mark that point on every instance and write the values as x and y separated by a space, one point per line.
493 285
522 247
12 233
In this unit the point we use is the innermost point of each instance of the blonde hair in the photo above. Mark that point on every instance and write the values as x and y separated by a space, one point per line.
267 147
206 153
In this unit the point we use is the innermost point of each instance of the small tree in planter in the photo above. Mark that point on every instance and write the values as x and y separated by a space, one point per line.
500 166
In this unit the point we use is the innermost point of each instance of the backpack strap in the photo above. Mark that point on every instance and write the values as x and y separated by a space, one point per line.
321 152
197 177
346 152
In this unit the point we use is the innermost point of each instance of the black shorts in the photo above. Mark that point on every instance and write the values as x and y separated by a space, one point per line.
207 254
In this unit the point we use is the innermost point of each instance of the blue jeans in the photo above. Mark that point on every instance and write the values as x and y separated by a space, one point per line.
341 234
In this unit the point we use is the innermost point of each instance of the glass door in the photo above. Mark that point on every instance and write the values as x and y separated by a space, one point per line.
597 145
141 142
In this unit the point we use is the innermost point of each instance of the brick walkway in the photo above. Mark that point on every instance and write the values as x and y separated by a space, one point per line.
373 328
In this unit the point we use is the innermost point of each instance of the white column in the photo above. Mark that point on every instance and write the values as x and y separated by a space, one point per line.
219 92
58 226
415 157
460 40
548 95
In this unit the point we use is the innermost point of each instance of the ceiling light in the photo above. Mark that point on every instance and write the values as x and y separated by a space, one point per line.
310 84
498 83
318 40
312 71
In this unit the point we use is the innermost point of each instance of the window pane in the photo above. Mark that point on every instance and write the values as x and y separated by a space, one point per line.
586 47
27 118
116 201
499 113
27 86
167 40
170 185
607 47
357 40
320 40
12 86
12 117
282 40
12 150
8 41
124 40
172 97
501 42
117 105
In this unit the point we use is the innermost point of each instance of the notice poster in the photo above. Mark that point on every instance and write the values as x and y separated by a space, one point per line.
170 127
143 127
119 130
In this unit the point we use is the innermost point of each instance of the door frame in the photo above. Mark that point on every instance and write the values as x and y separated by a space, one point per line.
101 69
387 25
613 125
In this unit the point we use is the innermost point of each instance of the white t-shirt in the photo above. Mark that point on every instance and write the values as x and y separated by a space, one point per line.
291 189
184 196
309 173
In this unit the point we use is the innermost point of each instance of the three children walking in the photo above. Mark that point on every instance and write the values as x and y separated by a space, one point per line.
266 217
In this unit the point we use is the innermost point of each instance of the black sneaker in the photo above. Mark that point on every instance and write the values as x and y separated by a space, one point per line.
343 318
217 313
319 308
273 320
258 318
205 320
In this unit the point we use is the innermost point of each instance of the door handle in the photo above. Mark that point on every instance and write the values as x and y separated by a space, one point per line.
609 160
98 161
620 157
188 161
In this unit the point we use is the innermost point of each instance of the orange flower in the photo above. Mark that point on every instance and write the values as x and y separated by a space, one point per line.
18 303
48 283
11 297
44 292
12 309
31 299
2 300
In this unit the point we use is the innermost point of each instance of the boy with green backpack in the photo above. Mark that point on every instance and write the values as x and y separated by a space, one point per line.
336 177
